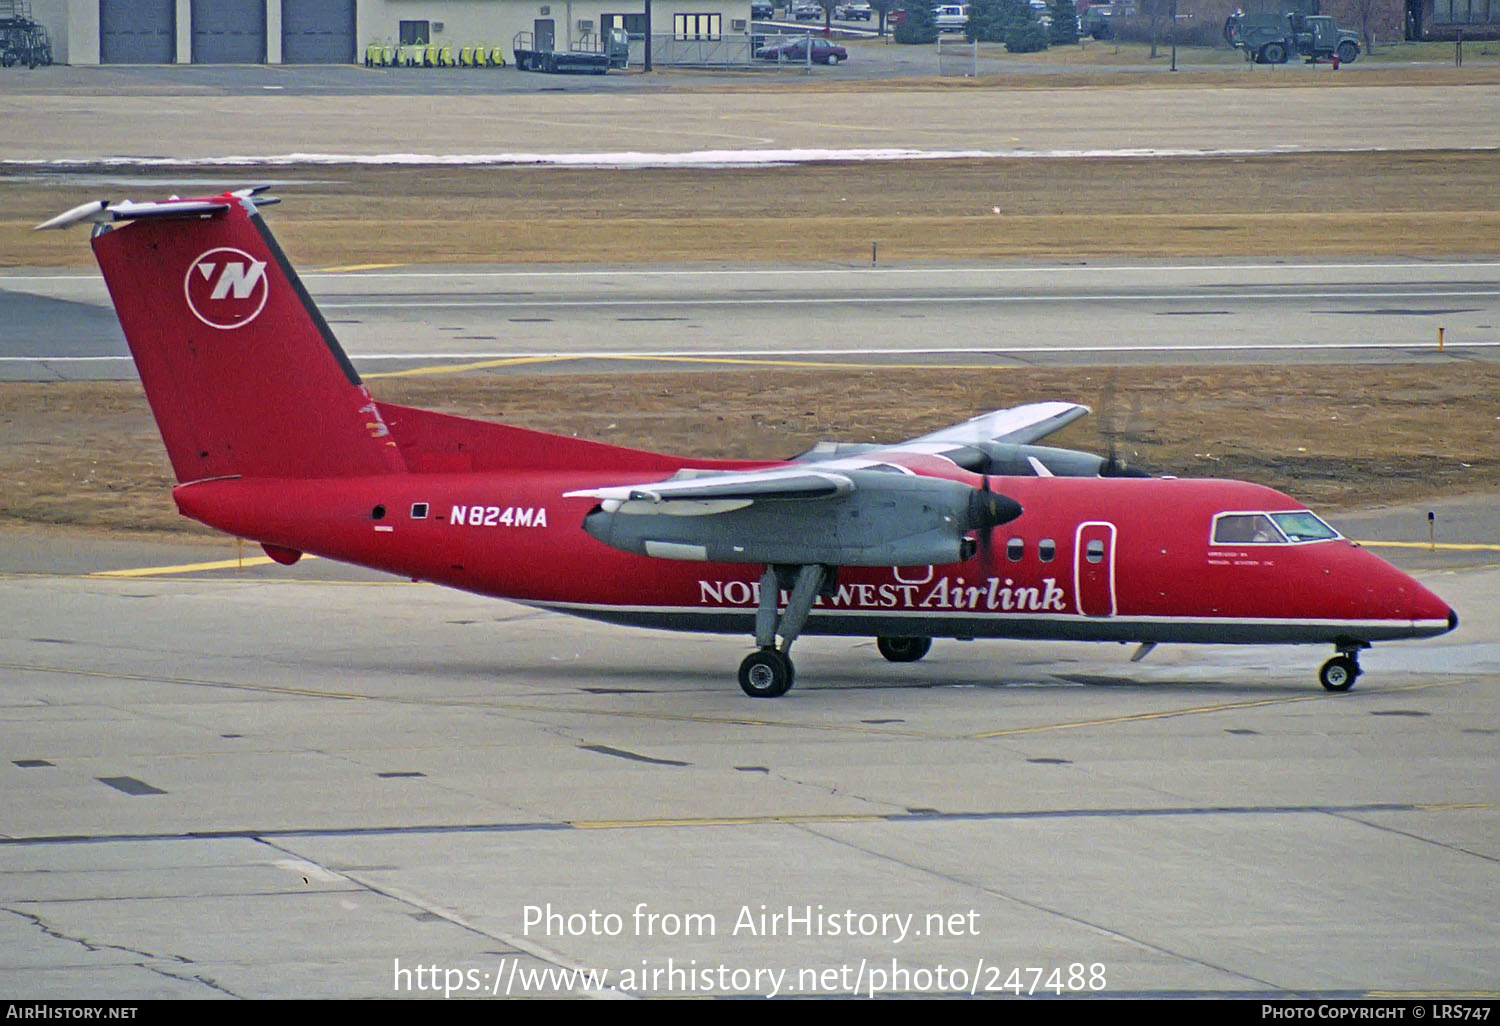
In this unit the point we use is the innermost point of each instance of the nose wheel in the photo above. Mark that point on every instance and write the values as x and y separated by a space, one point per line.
1339 673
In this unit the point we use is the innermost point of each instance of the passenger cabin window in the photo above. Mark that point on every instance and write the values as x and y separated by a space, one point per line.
1095 550
1015 549
1046 550
1245 529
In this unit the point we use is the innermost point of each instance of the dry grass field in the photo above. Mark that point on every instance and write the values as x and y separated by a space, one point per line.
1354 204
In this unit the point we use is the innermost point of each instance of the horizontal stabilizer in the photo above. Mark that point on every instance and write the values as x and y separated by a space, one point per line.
105 212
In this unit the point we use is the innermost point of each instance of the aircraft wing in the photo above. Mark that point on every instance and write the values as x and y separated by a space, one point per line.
1019 424
991 443
852 508
828 474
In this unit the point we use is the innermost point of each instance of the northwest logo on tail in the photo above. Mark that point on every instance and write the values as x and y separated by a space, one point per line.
226 287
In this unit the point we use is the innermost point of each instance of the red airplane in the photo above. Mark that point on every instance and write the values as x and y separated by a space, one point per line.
971 532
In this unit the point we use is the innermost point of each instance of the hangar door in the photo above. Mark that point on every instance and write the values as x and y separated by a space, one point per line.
317 31
137 31
229 31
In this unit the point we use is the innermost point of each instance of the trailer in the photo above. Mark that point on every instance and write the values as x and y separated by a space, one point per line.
591 55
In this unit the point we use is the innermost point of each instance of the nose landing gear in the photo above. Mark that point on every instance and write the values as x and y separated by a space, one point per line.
1340 672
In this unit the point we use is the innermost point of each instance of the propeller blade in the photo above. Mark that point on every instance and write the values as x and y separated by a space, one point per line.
989 509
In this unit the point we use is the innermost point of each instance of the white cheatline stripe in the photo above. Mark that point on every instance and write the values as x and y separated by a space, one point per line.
996 616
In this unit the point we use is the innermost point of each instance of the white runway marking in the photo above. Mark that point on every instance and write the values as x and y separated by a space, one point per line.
696 158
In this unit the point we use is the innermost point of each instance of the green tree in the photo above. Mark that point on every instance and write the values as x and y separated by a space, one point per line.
920 27
1015 12
1026 37
1064 28
986 23
991 20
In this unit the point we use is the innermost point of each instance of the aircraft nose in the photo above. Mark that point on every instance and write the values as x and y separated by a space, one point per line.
1428 608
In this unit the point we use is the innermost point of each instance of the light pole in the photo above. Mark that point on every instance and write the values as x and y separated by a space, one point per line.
648 35
1174 35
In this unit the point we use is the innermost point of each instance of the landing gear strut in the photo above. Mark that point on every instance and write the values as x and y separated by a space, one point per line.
768 672
1340 672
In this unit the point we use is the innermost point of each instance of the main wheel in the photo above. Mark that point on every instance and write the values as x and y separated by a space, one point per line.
1338 674
903 650
833 58
1348 52
1273 53
766 674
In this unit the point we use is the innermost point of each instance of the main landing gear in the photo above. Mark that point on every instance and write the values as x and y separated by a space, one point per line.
1340 672
903 650
768 672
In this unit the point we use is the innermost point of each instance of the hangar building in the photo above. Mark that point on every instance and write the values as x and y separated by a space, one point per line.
337 31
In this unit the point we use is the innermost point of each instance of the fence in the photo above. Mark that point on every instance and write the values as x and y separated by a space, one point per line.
725 51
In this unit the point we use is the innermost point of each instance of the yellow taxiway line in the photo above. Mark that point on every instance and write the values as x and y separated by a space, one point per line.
1431 546
188 568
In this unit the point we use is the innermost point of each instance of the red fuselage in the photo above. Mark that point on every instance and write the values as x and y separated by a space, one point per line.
1121 559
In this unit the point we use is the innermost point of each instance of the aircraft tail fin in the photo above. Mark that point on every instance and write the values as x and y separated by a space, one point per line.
243 375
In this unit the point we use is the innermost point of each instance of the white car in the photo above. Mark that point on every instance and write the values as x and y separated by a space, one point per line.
951 17
853 10
806 10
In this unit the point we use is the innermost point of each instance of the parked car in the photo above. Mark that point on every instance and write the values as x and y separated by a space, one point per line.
762 10
853 10
795 51
806 10
951 17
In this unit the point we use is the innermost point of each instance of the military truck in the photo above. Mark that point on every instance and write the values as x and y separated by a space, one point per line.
1273 38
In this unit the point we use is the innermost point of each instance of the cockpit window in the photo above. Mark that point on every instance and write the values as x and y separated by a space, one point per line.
1245 529
1270 528
1303 526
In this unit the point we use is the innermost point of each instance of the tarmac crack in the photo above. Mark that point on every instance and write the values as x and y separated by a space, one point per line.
1352 818
1107 931
513 944
196 978
93 946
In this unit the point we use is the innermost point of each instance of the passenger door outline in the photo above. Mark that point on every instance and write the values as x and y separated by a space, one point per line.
1094 583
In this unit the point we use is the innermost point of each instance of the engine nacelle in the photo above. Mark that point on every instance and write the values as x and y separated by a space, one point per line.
888 520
